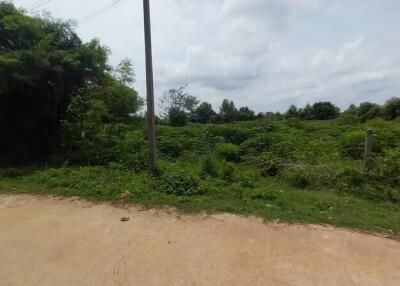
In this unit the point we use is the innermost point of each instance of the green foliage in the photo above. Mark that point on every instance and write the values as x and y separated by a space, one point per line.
171 148
352 144
392 108
231 134
256 145
177 104
177 117
292 112
125 72
229 173
245 114
203 113
121 101
228 152
387 166
209 167
317 111
179 184
368 110
269 164
228 111
297 179
48 79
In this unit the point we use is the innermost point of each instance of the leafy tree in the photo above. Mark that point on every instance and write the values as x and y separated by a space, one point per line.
306 113
368 110
177 117
179 98
178 103
203 113
325 111
246 114
292 112
43 63
120 100
228 111
320 111
125 72
392 108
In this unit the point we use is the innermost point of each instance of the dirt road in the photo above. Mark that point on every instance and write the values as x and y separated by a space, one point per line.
50 241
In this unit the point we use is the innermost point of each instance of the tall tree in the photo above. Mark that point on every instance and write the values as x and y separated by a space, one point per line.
203 113
43 63
125 72
178 103
228 111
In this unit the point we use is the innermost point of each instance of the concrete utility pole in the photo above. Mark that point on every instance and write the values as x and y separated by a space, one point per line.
151 123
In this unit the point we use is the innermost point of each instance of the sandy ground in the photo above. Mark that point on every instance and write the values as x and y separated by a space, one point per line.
51 241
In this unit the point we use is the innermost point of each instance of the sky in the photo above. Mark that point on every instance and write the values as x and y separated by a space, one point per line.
265 54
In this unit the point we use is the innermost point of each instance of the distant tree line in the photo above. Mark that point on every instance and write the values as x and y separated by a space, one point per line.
365 111
180 108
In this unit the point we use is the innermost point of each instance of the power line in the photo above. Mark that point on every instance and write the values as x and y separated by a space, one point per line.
37 5
94 15
34 4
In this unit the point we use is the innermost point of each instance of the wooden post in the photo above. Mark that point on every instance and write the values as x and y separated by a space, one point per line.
151 124
368 150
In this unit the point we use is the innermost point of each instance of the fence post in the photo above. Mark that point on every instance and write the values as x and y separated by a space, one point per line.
368 150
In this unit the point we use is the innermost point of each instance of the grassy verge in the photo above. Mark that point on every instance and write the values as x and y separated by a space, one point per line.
268 198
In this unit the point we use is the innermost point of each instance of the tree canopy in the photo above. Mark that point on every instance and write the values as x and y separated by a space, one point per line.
43 66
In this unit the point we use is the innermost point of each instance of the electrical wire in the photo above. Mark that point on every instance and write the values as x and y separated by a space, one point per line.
34 4
94 15
37 5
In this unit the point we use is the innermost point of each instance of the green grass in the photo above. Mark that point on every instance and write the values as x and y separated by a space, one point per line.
268 198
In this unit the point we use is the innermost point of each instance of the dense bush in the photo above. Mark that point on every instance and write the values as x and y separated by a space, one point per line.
392 108
209 167
368 110
229 173
228 152
177 117
388 166
231 134
179 184
256 145
352 144
269 164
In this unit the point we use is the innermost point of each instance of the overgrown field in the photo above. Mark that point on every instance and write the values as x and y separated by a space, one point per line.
291 170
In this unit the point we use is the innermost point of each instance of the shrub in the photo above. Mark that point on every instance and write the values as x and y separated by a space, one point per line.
177 117
229 152
209 167
388 166
368 111
392 108
297 179
351 178
131 151
352 144
285 149
314 176
269 165
229 173
14 172
233 135
170 148
256 145
179 184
